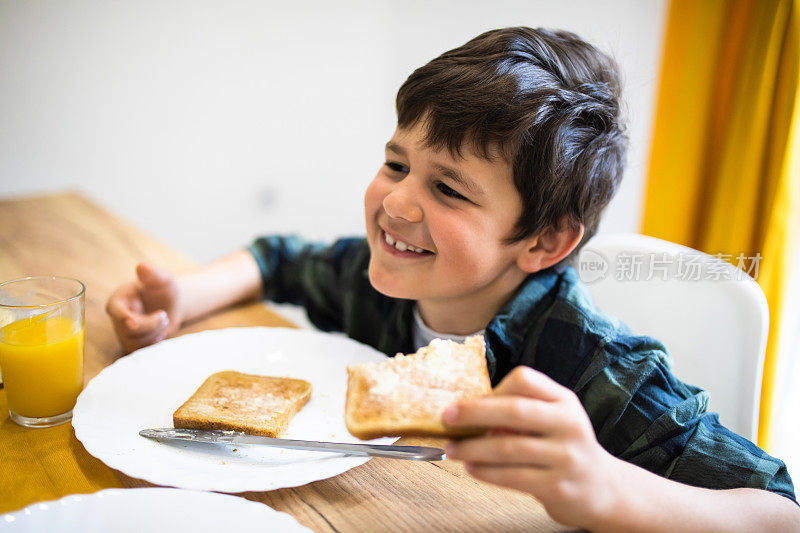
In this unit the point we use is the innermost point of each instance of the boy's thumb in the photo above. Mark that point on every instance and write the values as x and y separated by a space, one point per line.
151 276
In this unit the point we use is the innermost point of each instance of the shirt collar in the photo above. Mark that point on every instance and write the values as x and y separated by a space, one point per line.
423 335
507 331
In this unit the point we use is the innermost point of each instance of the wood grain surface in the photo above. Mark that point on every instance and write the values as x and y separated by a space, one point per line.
68 235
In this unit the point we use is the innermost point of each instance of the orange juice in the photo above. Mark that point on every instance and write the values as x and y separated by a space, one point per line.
42 365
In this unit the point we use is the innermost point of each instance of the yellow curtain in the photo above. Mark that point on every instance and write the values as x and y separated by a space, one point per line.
724 174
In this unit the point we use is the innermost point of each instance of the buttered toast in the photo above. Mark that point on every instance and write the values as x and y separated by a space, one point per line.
258 405
406 395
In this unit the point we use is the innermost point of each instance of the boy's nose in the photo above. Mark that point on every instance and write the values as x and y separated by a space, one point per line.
401 203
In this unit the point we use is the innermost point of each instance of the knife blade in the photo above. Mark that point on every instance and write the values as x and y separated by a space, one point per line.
216 436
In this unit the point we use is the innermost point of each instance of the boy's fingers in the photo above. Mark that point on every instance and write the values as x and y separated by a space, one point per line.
152 276
506 449
140 326
134 343
148 338
130 321
124 311
526 381
124 302
118 309
518 413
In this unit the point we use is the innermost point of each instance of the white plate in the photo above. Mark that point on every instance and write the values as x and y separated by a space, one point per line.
143 389
156 510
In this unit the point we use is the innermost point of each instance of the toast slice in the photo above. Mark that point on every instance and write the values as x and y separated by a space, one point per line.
406 395
258 405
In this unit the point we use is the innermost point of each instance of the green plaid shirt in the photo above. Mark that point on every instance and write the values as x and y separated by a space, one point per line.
640 411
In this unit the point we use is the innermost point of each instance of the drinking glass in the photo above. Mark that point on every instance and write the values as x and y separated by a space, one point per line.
41 348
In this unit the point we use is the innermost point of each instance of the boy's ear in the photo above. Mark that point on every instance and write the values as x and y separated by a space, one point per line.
549 247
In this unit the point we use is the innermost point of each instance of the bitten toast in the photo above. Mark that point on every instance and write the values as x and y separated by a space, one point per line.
406 395
258 405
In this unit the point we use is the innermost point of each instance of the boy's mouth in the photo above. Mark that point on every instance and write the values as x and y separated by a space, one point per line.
402 248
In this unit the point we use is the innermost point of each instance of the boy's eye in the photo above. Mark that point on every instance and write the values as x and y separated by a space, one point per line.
447 191
397 167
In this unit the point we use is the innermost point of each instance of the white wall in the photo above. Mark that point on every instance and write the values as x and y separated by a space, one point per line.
207 123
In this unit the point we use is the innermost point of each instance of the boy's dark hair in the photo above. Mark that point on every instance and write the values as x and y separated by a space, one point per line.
547 101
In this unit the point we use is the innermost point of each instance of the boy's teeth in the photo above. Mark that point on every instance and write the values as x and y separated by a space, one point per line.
400 245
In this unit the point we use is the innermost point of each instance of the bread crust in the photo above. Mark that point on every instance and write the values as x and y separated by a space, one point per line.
230 400
406 395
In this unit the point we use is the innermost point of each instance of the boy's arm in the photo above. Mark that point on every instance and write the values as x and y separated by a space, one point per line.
647 502
283 269
280 268
156 303
542 442
227 281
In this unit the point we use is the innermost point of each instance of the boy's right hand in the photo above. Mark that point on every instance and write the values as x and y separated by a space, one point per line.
147 310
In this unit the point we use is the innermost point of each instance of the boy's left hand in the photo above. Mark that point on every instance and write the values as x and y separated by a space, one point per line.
540 441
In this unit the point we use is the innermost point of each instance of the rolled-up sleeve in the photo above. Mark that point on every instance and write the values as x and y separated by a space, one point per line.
304 273
715 457
654 420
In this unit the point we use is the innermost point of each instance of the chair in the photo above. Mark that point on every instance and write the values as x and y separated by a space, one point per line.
714 324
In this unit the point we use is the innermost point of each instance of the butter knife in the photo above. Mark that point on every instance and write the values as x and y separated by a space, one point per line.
215 436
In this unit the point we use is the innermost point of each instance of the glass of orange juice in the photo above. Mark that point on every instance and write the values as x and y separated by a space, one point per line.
41 348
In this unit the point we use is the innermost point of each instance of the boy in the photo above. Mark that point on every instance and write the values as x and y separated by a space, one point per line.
507 150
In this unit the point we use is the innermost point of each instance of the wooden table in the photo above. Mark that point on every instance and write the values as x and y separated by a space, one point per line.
67 235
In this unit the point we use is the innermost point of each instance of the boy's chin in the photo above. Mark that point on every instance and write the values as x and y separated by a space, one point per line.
387 288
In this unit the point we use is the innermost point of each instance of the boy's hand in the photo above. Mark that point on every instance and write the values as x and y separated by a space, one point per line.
540 441
145 311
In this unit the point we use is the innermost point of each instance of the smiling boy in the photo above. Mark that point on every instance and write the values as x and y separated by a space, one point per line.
507 150
457 212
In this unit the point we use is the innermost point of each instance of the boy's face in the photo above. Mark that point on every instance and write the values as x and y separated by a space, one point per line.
454 212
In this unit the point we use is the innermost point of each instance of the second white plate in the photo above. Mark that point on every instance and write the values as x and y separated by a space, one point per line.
143 389
151 510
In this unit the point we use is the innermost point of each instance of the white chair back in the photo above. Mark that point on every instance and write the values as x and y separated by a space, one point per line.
712 318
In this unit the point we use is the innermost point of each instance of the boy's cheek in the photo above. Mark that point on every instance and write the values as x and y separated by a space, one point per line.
373 198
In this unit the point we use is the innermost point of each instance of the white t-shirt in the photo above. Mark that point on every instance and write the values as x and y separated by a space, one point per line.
423 335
